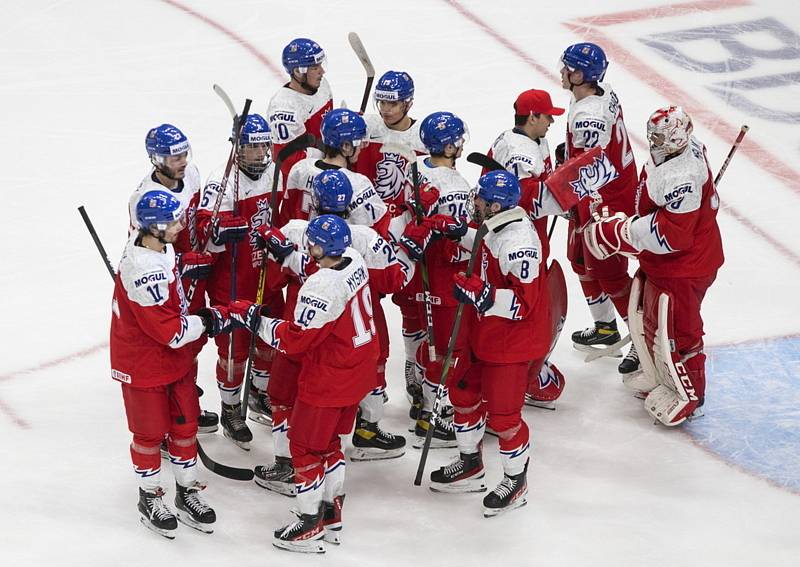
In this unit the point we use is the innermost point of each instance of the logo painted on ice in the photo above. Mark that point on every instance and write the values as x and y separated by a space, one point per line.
594 176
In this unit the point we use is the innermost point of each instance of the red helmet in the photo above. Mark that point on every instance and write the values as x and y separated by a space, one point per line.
545 385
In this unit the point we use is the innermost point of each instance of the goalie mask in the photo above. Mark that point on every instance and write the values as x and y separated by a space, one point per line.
668 132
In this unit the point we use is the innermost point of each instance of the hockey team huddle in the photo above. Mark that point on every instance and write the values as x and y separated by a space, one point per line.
286 256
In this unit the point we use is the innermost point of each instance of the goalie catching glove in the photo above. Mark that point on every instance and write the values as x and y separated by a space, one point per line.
609 235
474 290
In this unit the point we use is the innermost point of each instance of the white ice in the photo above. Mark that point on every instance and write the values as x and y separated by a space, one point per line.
81 83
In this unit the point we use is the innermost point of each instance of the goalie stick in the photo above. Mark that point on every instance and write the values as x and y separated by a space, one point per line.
487 225
304 141
361 53
232 473
742 131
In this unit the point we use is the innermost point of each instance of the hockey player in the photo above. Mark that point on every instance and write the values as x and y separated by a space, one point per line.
513 328
254 181
172 171
152 356
524 151
300 105
444 195
332 327
344 135
389 269
595 119
394 96
677 241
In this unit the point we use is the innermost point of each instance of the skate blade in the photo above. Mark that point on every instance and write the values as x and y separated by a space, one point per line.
375 454
277 487
419 442
207 429
595 352
460 486
259 418
301 546
187 520
541 404
333 536
518 503
696 414
244 445
169 534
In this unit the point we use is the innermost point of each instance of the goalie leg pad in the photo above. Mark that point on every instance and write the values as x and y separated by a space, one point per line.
671 372
645 379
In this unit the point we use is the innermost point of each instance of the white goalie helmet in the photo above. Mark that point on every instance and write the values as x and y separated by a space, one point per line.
668 132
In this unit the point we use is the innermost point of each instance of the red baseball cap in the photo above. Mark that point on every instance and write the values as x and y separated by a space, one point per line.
536 102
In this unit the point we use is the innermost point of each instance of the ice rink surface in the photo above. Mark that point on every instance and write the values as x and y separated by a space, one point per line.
82 82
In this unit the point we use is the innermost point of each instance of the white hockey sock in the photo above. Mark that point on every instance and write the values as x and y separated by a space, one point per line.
229 394
372 405
149 480
280 438
185 471
514 459
601 308
469 435
260 379
334 480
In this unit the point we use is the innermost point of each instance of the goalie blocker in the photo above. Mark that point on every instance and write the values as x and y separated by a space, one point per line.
673 393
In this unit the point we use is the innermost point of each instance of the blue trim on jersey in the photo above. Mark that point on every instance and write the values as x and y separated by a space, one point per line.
518 452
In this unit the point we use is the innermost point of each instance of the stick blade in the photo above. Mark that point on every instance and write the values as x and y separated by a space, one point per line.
226 99
361 53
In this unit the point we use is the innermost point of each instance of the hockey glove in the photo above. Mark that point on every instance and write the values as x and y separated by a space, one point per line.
609 235
228 229
215 319
274 240
428 200
415 239
473 290
452 228
195 265
246 314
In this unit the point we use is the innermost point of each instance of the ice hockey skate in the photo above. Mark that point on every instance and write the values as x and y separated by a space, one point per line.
277 477
332 520
464 474
207 422
511 493
155 515
444 436
234 427
630 363
258 404
305 535
371 443
193 510
601 340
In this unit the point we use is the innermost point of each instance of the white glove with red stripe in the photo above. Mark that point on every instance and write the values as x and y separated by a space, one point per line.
609 235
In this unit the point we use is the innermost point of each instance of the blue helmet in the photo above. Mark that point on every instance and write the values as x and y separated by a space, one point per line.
332 191
394 85
255 130
165 140
441 128
302 53
343 125
499 187
157 208
329 232
586 57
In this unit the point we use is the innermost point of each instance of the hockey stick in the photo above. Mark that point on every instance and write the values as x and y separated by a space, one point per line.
734 147
295 145
232 473
361 53
223 184
483 229
225 99
87 221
